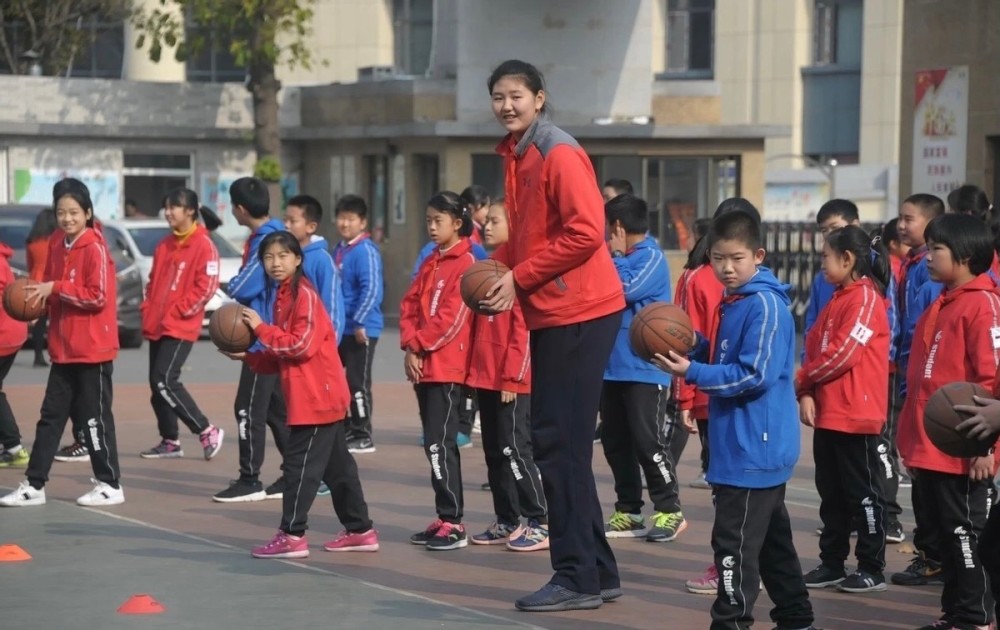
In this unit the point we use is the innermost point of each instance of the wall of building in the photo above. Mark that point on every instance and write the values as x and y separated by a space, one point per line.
882 47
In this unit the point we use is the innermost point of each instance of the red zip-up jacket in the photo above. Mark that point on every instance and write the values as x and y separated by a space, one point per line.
699 293
500 359
562 267
13 333
846 365
434 322
83 307
301 348
956 339
184 278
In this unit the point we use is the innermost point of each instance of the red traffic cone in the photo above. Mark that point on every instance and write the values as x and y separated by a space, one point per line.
141 604
13 553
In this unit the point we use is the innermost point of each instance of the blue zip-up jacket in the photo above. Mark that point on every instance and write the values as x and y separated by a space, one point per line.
477 252
249 287
360 268
754 433
646 279
318 267
920 292
821 294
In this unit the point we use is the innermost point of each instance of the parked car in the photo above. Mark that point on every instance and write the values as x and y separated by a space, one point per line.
141 238
16 222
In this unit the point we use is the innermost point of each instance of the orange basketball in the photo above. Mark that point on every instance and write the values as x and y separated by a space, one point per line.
478 280
228 331
659 328
940 420
16 303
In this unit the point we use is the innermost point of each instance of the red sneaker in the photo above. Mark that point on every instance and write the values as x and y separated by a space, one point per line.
348 541
283 546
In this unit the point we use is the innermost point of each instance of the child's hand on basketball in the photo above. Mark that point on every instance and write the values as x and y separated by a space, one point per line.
985 421
235 356
38 292
507 397
501 295
981 468
673 363
807 411
251 318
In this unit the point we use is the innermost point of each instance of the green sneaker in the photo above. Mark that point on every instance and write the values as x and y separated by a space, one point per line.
14 460
624 525
666 526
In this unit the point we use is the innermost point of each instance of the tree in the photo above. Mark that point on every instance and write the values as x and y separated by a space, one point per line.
261 34
50 32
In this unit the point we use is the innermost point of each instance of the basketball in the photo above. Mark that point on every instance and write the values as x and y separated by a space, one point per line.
659 328
15 302
940 420
227 329
478 280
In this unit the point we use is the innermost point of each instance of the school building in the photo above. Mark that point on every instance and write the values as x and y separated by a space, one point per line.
782 101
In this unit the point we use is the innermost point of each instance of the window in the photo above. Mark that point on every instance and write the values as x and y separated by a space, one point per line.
487 171
413 23
690 32
213 63
100 55
837 30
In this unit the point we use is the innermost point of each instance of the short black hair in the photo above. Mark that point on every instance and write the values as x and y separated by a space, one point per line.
738 204
352 204
890 231
452 204
736 226
251 193
842 208
970 199
311 208
930 205
964 235
78 192
621 186
631 211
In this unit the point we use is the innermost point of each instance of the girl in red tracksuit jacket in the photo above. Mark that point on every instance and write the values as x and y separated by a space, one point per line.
301 348
13 334
83 342
843 388
434 332
500 372
184 278
956 339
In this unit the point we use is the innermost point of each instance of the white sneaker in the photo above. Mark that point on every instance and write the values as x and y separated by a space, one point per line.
102 494
477 426
24 495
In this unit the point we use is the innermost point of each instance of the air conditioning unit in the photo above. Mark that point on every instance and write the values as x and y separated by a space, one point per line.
376 73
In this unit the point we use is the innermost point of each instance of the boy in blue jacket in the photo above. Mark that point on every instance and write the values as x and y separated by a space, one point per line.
754 431
360 264
258 396
637 427
303 214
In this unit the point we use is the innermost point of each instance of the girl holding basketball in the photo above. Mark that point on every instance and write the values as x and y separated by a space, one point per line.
842 390
184 278
83 342
434 332
301 348
500 372
956 339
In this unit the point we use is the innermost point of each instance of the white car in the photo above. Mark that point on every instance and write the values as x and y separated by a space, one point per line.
142 237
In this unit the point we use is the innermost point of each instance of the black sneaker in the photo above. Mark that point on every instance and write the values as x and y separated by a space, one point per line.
449 536
421 538
75 452
241 492
863 582
921 571
597 432
823 576
360 445
485 487
276 490
894 533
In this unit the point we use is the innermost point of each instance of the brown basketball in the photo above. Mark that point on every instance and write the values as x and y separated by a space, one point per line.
940 420
227 329
15 302
478 280
659 328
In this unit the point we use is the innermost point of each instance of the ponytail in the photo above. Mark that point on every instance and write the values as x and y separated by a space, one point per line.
871 259
209 218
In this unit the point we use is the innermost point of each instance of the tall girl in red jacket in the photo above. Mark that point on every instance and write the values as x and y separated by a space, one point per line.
301 348
434 332
956 339
184 278
842 388
83 342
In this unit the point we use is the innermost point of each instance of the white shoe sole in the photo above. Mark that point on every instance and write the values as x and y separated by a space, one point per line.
635 533
361 451
278 556
83 502
278 495
74 458
358 548
175 455
23 502
456 545
246 498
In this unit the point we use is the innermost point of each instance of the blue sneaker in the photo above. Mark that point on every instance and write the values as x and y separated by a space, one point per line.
463 441
534 537
554 598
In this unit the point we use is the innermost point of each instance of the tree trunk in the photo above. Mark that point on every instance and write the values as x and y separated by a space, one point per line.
264 86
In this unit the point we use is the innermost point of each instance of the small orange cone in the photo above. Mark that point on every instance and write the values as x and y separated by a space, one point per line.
141 604
13 553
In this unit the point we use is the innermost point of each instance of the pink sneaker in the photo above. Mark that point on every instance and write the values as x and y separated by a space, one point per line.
211 441
346 541
283 546
707 584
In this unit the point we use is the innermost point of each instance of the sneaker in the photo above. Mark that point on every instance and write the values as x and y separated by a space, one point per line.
894 533
102 494
348 541
905 481
862 582
485 487
945 623
449 536
823 576
920 572
554 598
611 594
241 492
597 432
701 483
283 546
276 490
497 534
707 584
15 460
211 441
622 525
323 490
166 449
75 452
477 426
23 496
463 441
535 537
667 526
421 538
361 445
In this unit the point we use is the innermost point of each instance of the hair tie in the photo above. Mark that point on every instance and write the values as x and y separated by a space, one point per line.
876 241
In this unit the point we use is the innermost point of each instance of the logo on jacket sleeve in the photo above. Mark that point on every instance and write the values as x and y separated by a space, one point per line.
212 268
995 336
723 349
861 333
929 366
